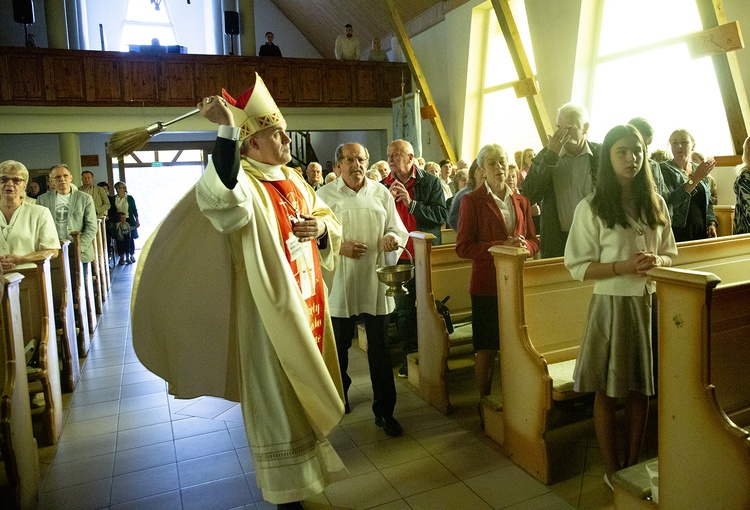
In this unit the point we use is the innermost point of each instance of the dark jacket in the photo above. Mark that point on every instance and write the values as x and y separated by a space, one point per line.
539 189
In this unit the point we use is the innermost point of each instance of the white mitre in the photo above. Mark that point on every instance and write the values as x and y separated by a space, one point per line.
254 110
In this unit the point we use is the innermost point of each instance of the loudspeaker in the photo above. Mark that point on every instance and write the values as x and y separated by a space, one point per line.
23 11
231 22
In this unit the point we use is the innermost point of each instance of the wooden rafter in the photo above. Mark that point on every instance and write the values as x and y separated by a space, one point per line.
526 85
429 109
728 76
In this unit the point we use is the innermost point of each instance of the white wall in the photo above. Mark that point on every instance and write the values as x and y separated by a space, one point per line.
268 18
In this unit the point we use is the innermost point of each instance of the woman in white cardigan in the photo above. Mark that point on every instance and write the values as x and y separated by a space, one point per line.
26 230
619 232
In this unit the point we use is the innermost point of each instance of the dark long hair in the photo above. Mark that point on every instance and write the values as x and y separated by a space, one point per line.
607 201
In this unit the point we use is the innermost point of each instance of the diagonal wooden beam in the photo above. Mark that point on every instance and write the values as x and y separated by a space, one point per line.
526 85
429 111
728 76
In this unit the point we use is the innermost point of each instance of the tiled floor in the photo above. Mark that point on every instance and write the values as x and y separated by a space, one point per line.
127 444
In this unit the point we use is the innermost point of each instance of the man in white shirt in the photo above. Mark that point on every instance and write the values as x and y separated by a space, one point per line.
347 45
72 210
370 225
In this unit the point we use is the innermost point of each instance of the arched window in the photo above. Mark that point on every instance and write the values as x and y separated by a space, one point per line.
144 22
505 119
641 67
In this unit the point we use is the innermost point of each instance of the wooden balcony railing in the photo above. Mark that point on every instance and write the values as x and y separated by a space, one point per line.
51 77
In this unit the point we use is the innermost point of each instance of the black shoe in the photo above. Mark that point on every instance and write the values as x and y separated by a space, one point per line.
296 505
389 425
347 409
404 370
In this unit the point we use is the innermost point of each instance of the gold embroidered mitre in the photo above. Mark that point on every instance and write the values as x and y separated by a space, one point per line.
254 110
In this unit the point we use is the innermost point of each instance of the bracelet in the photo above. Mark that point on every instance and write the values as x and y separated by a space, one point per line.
614 270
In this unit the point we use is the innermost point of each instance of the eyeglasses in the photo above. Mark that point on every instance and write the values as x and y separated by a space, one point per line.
62 177
17 181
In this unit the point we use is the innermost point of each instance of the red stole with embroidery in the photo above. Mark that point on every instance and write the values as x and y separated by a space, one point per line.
302 257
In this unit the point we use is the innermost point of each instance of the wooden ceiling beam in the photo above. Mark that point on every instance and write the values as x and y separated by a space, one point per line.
526 85
424 90
728 76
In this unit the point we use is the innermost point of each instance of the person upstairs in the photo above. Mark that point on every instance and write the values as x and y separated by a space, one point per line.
420 203
259 237
101 200
377 54
370 225
347 45
269 49
72 210
561 175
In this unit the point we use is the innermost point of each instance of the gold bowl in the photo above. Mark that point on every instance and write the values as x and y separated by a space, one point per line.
396 276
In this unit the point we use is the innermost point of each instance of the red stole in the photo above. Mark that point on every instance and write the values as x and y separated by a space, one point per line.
287 201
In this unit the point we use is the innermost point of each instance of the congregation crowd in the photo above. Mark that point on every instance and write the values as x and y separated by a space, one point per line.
301 250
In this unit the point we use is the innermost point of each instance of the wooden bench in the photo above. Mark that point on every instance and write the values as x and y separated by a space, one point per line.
447 235
725 217
62 296
543 312
439 272
96 276
39 324
704 393
17 443
80 302
103 255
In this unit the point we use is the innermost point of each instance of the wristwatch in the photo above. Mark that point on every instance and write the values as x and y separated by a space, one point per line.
690 181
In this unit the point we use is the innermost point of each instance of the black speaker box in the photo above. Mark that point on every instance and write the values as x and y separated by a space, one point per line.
23 11
231 22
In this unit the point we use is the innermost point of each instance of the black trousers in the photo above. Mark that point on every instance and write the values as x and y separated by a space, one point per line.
406 316
378 357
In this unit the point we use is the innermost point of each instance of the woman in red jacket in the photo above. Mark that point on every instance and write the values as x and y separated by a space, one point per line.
490 215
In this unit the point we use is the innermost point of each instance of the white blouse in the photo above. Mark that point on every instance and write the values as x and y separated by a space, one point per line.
591 241
31 228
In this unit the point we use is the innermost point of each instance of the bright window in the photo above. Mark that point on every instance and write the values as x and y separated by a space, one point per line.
643 68
143 23
506 119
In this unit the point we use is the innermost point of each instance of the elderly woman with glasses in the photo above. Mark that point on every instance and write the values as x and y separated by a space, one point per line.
26 230
124 203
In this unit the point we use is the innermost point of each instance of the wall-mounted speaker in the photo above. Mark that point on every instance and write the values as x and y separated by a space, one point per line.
231 22
23 11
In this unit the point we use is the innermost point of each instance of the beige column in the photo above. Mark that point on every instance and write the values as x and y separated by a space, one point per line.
57 25
70 154
247 28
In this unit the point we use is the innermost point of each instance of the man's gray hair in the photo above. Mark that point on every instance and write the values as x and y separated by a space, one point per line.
571 111
59 165
340 151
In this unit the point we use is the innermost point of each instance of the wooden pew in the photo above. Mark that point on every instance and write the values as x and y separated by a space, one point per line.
96 279
439 272
448 236
704 393
725 217
101 242
39 324
62 295
543 313
80 301
17 443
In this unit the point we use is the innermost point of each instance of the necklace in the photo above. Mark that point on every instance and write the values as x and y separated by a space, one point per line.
291 206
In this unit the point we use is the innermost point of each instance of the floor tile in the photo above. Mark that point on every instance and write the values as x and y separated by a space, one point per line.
432 475
87 496
78 472
144 483
144 457
363 491
209 468
394 451
227 493
506 486
455 496
202 445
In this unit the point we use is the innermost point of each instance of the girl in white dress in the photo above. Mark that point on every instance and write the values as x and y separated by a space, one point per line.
619 232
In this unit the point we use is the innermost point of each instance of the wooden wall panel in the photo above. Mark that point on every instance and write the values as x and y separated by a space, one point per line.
308 87
178 85
52 77
210 78
365 85
28 79
279 81
141 79
66 78
340 85
103 80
